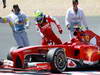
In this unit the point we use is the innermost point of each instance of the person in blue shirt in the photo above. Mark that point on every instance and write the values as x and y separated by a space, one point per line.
18 22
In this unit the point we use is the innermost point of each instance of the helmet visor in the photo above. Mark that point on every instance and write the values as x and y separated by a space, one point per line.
39 19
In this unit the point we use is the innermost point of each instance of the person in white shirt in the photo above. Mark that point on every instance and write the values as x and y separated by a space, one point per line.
75 16
18 22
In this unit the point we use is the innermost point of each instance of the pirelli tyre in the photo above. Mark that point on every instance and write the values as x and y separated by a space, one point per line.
18 63
57 59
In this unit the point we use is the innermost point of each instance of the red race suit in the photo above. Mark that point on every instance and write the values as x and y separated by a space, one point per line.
47 32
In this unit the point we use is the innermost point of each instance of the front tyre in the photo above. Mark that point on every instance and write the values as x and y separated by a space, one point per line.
57 59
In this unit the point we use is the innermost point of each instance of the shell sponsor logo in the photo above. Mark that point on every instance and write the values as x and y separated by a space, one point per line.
28 51
90 53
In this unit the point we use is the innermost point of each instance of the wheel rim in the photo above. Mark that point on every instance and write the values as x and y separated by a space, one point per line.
59 61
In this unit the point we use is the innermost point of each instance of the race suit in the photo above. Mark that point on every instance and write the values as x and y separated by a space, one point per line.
18 23
47 33
73 19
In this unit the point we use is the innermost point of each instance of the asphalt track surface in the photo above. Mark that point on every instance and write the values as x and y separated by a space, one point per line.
48 73
7 41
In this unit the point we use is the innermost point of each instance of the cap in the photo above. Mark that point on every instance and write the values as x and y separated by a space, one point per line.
75 1
15 6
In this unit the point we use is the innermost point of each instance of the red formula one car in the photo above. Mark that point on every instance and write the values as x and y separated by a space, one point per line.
57 58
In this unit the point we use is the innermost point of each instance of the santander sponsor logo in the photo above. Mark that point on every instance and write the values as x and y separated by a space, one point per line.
71 64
